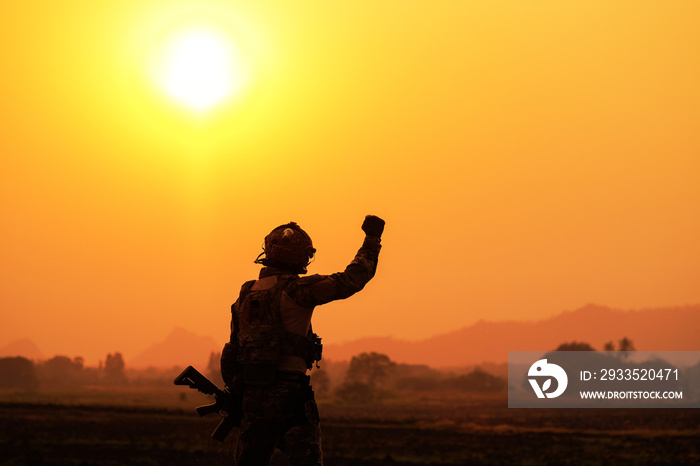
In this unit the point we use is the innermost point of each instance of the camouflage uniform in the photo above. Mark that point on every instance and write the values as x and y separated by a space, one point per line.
283 413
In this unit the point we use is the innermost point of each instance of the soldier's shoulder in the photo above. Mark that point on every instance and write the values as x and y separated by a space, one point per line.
309 280
247 285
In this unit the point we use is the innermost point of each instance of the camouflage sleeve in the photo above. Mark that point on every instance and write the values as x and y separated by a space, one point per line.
320 289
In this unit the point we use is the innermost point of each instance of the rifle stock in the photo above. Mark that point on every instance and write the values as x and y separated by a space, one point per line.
194 379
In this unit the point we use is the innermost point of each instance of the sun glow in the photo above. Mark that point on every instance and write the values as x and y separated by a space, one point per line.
200 68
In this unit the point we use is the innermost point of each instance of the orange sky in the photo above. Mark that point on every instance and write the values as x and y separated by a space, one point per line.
528 157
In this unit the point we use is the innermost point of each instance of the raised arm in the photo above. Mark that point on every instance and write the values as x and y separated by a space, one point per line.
320 289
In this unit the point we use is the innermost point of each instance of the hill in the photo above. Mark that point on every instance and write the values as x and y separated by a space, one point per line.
672 329
23 347
180 348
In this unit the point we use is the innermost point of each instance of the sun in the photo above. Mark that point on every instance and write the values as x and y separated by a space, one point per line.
200 68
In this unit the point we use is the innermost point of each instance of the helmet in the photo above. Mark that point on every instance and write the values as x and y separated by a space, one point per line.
287 247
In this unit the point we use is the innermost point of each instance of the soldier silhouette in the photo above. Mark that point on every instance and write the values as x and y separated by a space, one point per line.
272 343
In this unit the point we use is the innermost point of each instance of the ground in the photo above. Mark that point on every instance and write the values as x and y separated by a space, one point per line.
149 427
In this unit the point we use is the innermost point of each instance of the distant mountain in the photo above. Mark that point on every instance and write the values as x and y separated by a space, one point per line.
672 329
23 347
180 348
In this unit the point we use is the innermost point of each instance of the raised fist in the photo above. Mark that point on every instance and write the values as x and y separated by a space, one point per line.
373 226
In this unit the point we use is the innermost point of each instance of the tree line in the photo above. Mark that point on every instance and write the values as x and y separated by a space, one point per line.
60 372
367 376
372 376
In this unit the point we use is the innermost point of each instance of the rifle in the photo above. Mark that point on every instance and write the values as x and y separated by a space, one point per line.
226 404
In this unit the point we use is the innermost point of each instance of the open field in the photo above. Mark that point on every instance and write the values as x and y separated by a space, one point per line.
160 427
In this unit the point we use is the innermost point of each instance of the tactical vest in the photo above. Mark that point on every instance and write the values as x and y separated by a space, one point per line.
262 339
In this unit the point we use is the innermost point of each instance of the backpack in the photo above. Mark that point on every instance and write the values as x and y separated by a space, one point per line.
261 337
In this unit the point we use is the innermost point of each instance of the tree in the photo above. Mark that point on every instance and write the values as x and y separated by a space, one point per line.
609 346
366 374
625 346
114 369
17 372
575 346
369 368
61 371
